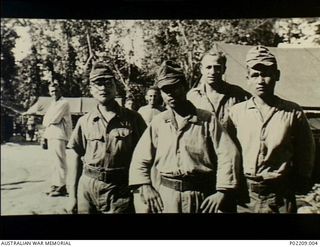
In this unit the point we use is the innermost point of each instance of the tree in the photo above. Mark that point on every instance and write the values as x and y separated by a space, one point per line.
31 85
65 49
8 66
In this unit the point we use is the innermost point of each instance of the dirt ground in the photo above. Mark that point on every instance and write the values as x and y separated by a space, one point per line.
25 179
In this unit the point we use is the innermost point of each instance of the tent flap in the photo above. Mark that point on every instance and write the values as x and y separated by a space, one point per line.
299 68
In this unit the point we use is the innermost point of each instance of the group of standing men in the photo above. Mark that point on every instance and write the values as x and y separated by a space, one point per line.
213 149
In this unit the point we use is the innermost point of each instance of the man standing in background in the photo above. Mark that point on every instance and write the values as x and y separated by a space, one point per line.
153 106
58 128
214 94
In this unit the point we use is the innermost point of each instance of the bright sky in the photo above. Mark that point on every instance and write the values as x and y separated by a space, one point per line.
23 44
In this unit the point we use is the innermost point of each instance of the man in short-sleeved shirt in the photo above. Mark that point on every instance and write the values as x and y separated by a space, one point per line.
275 139
104 139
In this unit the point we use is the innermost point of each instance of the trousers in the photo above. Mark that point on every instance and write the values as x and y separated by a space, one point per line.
57 149
98 197
182 201
268 199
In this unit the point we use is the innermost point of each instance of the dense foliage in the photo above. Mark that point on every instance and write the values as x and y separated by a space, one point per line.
65 50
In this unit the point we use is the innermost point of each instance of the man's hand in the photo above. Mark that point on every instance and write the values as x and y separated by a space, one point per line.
152 198
71 206
212 203
269 175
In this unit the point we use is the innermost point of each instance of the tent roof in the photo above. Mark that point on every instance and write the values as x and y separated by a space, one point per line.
299 67
78 105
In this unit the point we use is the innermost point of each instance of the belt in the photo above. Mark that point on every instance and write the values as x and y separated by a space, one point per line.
185 184
114 176
262 189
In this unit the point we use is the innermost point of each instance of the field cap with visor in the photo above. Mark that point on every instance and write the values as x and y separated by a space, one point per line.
100 70
169 73
260 55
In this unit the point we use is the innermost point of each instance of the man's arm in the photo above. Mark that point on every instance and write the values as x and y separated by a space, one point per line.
140 169
304 153
56 114
77 145
228 158
32 110
75 171
228 162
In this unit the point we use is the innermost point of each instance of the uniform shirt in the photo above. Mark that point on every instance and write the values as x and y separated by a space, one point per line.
280 144
199 146
57 120
231 96
107 145
148 112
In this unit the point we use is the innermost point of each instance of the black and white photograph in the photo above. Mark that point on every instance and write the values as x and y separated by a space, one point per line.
160 116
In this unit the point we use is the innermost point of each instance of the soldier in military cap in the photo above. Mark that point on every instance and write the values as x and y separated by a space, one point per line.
196 159
102 144
213 93
275 140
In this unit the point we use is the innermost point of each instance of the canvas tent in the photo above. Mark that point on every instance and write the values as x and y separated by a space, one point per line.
299 81
78 105
300 72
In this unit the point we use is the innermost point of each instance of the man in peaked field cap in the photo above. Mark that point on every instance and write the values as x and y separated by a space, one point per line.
275 139
196 159
102 144
213 93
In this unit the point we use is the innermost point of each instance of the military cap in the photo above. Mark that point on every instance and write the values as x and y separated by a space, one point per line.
169 73
260 55
100 70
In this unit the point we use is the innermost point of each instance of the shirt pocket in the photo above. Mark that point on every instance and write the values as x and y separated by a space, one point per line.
200 151
95 147
121 140
120 133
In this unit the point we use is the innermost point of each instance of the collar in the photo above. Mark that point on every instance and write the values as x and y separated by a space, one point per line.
53 101
278 104
119 111
192 116
226 90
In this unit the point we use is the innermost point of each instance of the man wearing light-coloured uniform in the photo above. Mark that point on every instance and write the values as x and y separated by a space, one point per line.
196 159
275 140
58 128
